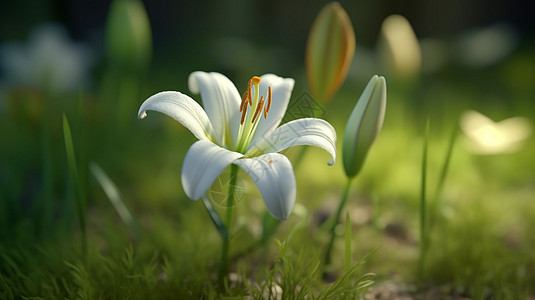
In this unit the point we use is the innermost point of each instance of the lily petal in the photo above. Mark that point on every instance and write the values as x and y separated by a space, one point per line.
221 101
274 177
281 91
203 163
306 131
181 108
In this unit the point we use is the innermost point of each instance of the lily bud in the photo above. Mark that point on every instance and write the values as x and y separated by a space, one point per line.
128 36
400 47
364 125
330 49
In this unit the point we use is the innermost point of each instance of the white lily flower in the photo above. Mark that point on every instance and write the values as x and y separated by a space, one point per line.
484 136
243 131
49 61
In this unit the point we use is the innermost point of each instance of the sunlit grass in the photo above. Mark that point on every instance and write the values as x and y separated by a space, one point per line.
480 244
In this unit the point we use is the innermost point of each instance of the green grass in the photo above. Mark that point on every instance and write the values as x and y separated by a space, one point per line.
480 243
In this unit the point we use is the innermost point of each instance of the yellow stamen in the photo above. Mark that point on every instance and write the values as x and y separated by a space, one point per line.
247 129
247 99
258 108
268 105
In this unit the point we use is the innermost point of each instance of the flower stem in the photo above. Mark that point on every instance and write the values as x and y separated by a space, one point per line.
341 205
225 259
224 230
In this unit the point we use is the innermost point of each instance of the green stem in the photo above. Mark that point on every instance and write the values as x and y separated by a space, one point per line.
225 259
222 229
341 205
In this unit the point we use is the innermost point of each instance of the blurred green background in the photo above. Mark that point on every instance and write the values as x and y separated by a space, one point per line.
476 55
194 29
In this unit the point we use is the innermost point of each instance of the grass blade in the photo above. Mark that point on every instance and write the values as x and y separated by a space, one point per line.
446 164
441 180
112 192
73 172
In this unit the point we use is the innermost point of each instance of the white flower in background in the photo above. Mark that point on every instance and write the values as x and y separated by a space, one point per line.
49 61
244 131
400 47
484 136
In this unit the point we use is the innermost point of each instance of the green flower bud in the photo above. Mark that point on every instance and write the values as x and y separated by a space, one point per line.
330 49
128 36
364 125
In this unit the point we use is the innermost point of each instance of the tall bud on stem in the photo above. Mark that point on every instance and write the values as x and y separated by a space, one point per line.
364 125
329 51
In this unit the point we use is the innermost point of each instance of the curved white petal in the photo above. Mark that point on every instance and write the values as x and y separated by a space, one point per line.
281 89
306 131
181 108
221 101
274 177
203 163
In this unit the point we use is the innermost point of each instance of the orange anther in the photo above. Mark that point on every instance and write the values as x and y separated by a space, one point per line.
243 113
258 108
268 105
244 100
